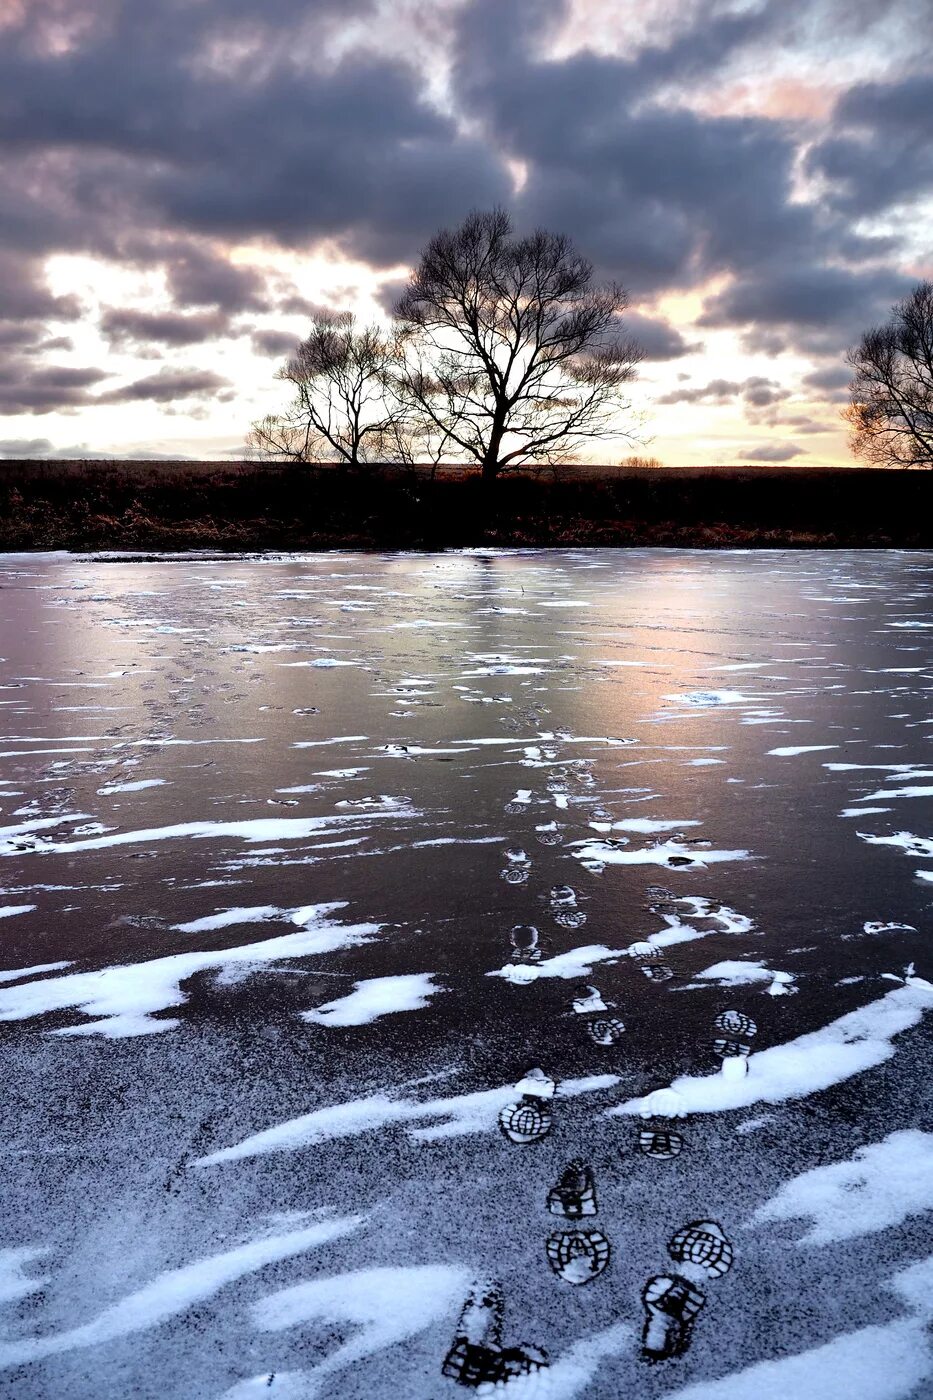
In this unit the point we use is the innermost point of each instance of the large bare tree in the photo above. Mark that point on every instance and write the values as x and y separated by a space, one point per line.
509 354
891 412
340 410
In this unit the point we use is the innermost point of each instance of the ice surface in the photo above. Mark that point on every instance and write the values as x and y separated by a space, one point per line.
142 850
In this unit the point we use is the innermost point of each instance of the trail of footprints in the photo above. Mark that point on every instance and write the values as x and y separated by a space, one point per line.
577 1253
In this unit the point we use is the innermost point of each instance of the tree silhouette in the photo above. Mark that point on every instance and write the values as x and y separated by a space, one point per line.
891 412
507 353
340 410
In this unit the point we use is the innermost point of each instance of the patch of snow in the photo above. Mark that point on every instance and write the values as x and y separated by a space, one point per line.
138 786
176 1291
872 1363
876 1189
385 1306
15 973
848 1046
461 1115
792 750
589 850
375 997
126 997
258 829
257 914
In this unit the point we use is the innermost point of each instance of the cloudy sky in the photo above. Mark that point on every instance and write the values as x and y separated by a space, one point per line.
186 180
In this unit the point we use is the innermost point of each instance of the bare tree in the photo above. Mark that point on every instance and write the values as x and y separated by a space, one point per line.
891 412
508 354
340 410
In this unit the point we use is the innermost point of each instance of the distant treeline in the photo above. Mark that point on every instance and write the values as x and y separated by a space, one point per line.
168 505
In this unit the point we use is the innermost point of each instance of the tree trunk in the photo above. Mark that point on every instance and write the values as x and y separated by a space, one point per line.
491 459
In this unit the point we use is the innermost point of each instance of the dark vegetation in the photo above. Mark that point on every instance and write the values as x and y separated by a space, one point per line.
152 506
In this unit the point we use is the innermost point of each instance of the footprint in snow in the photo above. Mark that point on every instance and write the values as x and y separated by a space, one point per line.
576 1256
602 1028
733 1044
477 1356
563 905
517 867
574 1196
530 1118
673 1301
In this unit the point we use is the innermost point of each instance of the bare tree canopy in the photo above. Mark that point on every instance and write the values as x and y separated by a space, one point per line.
509 354
891 412
340 410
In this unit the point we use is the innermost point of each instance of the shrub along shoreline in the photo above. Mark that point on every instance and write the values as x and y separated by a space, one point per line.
170 506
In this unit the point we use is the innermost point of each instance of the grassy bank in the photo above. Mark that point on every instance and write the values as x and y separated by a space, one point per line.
201 505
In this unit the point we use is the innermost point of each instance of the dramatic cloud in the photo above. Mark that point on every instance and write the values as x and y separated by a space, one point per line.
827 305
880 154
753 170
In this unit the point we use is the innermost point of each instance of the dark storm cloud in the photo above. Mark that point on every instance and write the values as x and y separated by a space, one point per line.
159 134
169 385
827 306
125 327
157 123
831 382
661 195
880 153
658 339
24 295
655 193
25 447
44 447
199 278
348 150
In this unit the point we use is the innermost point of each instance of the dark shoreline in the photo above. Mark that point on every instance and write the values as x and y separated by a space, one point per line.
170 506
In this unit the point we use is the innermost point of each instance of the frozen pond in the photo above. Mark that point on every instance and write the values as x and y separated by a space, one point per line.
431 975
